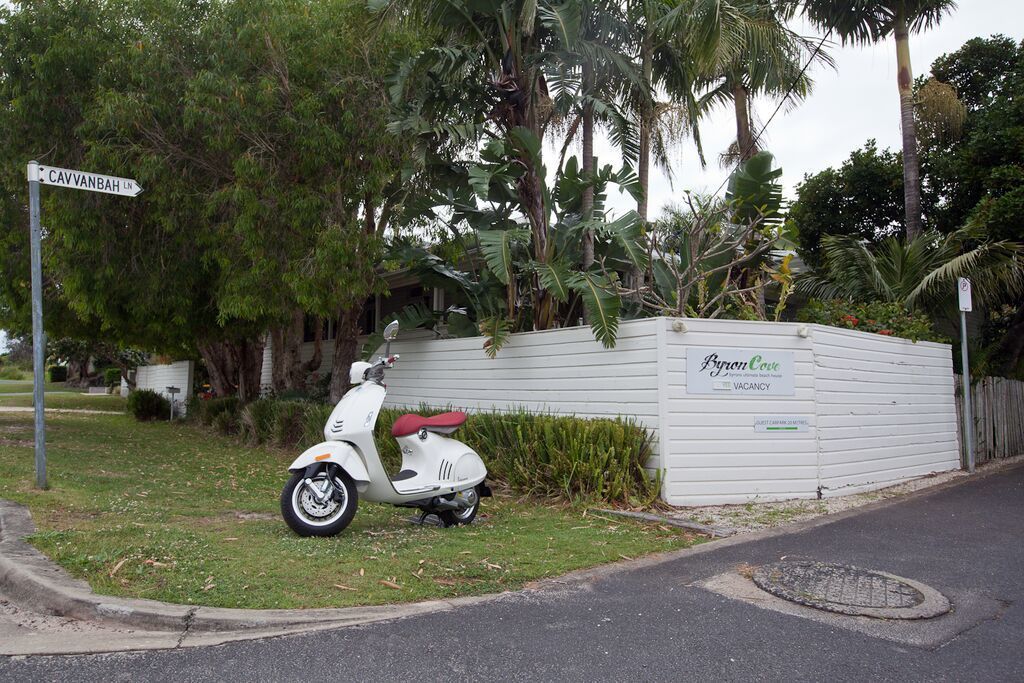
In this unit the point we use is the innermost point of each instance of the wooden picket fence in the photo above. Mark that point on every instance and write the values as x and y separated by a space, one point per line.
998 407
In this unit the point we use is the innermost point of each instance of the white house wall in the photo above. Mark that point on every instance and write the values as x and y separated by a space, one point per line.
158 377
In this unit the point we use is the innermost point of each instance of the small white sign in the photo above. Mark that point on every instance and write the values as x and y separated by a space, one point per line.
781 424
963 286
739 372
92 182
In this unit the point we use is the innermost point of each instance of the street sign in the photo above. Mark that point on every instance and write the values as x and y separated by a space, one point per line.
77 180
963 286
92 182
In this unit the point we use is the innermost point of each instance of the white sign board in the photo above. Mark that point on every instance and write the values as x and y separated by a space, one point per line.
782 424
739 372
93 182
963 286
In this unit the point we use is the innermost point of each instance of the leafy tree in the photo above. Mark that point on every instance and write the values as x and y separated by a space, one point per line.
269 177
863 199
871 21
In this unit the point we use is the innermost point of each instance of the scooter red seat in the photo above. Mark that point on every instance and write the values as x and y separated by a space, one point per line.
445 423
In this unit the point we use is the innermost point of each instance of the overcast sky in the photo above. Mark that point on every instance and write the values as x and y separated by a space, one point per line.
856 102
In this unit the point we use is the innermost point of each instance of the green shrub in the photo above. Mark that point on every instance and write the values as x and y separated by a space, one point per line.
256 421
146 404
288 422
888 319
58 373
225 422
313 422
207 410
112 377
9 372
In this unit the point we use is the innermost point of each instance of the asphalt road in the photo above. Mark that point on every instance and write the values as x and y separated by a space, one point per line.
654 623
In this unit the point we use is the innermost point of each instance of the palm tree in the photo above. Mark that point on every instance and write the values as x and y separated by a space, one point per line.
757 54
920 273
871 21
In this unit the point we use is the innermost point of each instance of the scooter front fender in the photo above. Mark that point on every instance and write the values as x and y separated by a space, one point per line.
340 453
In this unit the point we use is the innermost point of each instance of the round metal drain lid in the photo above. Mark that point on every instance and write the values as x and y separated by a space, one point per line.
850 590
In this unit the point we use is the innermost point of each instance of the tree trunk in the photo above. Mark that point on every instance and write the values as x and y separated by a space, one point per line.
911 163
220 367
288 371
234 367
746 146
587 204
346 347
636 275
249 362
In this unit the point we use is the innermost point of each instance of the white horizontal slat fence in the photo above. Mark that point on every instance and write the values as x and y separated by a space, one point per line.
877 409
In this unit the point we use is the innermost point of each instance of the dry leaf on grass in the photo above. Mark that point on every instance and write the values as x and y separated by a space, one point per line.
118 566
390 584
344 588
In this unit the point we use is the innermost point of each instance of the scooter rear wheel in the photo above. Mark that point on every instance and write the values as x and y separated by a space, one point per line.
306 516
457 517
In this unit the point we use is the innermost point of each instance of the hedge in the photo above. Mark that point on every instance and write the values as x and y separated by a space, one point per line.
561 456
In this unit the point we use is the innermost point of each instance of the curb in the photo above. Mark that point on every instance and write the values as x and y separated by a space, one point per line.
32 580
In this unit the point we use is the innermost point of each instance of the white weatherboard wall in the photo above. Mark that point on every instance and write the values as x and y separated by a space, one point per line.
879 409
159 377
562 371
886 409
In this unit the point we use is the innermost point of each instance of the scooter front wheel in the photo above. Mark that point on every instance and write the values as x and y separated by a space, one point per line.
307 512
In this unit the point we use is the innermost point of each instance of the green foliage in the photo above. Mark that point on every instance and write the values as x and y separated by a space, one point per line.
146 404
225 423
57 373
256 421
885 318
919 274
863 198
269 176
11 372
111 377
206 411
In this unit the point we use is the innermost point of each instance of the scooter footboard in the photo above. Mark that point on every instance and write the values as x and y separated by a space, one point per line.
340 453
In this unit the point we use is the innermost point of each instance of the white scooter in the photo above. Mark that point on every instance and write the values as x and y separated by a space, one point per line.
439 475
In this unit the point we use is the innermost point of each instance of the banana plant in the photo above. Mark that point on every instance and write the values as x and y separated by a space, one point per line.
516 280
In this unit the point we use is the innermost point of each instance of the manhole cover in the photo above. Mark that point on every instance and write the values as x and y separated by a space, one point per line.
850 590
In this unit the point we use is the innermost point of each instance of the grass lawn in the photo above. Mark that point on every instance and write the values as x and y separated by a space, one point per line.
67 401
12 386
172 512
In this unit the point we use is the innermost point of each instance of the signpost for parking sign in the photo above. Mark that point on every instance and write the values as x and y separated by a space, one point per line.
963 286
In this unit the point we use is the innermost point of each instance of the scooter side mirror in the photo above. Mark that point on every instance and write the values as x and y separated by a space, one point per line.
391 331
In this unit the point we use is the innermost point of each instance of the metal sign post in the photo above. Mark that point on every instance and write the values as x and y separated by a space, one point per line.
964 290
79 180
38 341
